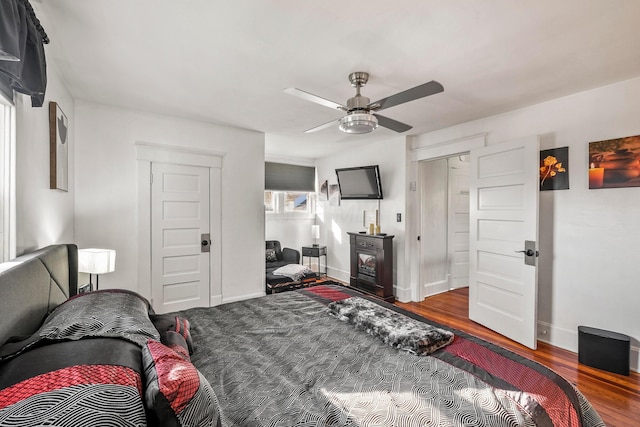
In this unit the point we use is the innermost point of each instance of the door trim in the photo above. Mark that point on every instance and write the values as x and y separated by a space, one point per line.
148 153
412 245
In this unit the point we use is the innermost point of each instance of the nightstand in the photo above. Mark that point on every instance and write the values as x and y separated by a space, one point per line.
315 252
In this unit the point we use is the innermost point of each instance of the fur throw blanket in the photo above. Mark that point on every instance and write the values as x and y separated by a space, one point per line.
392 328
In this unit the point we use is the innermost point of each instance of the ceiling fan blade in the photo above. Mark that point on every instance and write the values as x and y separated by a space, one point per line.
323 126
417 92
392 124
314 98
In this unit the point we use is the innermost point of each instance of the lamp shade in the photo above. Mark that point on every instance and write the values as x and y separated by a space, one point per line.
96 261
315 232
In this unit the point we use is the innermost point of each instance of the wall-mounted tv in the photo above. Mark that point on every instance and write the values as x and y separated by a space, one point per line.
359 183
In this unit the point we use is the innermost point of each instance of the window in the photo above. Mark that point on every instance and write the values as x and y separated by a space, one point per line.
289 202
289 190
296 202
269 201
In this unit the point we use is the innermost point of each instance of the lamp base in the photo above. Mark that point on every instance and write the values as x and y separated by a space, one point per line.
91 281
315 245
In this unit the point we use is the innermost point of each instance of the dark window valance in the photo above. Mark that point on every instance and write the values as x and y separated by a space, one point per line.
23 67
284 177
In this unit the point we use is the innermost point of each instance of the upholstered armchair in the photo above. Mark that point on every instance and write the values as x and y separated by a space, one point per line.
276 257
282 256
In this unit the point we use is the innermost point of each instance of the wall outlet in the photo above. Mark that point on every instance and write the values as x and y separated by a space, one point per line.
398 217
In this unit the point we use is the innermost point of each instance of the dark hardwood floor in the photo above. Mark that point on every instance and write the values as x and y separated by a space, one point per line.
616 397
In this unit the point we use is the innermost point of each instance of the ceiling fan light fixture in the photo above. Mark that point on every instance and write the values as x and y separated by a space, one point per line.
358 123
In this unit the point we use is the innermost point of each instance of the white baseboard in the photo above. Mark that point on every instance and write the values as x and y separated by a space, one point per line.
568 340
243 297
215 300
402 294
338 274
434 288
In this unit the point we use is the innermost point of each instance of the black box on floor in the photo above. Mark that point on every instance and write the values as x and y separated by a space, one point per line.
604 349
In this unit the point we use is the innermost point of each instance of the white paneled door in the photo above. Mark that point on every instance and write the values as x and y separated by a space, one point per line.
503 283
180 221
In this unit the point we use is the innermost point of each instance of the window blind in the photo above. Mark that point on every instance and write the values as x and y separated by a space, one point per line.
284 177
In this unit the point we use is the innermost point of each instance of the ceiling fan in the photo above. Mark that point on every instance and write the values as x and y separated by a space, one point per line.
361 114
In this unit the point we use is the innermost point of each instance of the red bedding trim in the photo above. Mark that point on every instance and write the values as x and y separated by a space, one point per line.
547 393
328 293
68 377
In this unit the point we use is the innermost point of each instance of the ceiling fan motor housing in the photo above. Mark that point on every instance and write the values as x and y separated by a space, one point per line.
358 103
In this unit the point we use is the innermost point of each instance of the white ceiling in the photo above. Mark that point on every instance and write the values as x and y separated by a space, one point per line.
228 62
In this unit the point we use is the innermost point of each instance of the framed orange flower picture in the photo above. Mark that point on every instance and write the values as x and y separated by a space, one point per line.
554 169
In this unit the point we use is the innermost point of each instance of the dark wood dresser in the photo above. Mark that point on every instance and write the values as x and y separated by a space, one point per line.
372 264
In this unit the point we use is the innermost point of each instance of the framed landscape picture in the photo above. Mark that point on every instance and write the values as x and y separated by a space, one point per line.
614 163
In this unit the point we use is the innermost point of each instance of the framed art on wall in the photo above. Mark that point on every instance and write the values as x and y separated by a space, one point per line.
58 148
615 163
334 195
323 195
554 169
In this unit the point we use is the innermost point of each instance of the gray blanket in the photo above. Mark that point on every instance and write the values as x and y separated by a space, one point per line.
282 360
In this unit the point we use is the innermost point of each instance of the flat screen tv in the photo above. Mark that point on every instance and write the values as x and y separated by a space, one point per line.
359 183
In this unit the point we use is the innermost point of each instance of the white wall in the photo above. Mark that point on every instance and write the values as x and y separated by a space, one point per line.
290 229
336 221
106 194
589 265
44 216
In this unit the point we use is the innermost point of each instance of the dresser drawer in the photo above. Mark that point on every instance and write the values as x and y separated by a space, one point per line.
368 242
314 251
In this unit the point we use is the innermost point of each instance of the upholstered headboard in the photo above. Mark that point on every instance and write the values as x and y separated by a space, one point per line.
34 284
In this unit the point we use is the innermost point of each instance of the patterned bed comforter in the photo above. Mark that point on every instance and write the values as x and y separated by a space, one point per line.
282 360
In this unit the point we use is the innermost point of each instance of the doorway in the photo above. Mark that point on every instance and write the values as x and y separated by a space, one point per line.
444 224
148 155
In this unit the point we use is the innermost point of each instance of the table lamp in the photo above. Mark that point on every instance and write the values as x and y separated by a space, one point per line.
96 261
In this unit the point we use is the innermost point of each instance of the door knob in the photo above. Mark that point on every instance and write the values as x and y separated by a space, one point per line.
528 252
205 242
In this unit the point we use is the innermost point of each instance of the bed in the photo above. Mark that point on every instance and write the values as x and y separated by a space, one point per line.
321 356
